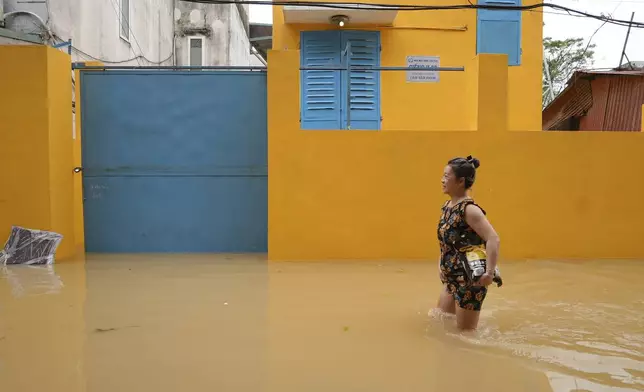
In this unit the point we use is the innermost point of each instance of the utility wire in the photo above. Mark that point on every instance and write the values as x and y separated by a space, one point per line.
57 39
119 19
120 61
119 15
588 45
406 7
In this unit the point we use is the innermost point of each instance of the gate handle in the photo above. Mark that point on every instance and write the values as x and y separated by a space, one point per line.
78 169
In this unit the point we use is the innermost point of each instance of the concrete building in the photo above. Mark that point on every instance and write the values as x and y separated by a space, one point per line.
142 32
215 34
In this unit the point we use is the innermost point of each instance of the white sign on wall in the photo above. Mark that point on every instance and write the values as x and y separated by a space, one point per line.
423 62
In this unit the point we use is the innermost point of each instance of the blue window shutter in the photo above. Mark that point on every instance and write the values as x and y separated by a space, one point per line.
499 31
320 100
365 85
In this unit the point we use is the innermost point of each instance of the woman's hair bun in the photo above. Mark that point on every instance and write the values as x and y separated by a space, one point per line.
475 162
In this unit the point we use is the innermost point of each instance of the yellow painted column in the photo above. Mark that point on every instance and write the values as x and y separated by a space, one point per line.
283 127
642 118
24 175
61 149
36 136
487 93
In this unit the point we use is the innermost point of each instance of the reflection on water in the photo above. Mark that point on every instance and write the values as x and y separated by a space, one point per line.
31 280
237 323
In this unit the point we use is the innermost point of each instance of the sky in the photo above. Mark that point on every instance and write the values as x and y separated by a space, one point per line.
609 39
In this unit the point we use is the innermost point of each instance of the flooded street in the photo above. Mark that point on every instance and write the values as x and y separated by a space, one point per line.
238 323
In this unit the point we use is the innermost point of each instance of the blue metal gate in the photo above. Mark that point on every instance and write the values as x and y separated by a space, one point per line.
174 161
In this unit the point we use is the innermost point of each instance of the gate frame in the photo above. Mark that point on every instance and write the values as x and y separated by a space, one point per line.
77 68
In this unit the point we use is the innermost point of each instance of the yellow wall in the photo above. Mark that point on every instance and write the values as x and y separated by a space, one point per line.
452 36
376 195
36 140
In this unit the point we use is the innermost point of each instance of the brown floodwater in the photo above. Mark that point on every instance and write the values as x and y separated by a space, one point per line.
238 323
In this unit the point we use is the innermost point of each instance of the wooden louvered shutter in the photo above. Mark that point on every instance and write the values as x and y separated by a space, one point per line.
320 90
365 85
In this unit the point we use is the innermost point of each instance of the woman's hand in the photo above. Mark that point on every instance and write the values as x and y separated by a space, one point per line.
486 279
476 219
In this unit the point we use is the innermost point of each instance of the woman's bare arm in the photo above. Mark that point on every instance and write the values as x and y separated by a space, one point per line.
477 220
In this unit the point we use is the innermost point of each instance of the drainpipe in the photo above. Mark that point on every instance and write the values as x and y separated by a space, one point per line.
259 56
174 33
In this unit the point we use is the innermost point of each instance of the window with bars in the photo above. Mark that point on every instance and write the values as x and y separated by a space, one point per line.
124 21
196 51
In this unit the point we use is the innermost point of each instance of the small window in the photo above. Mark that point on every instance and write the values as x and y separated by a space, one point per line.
499 31
125 19
196 52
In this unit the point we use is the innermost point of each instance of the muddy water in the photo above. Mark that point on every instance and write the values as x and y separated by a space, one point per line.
236 323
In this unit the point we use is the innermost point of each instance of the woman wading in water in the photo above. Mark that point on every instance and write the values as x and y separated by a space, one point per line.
469 247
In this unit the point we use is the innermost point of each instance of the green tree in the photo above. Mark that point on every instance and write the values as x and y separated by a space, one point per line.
563 58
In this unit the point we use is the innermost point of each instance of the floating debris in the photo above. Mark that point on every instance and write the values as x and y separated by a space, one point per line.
30 247
103 330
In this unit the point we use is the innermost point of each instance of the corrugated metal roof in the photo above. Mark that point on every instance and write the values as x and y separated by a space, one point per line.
594 118
624 106
574 102
635 72
612 101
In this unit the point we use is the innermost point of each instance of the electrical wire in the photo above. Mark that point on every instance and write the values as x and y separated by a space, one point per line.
590 40
589 43
119 18
607 19
120 61
407 7
119 15
57 39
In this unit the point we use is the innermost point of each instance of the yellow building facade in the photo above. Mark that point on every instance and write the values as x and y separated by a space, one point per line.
349 194
450 37
361 194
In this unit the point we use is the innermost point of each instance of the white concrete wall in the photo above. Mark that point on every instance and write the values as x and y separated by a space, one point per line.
93 26
222 27
255 62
